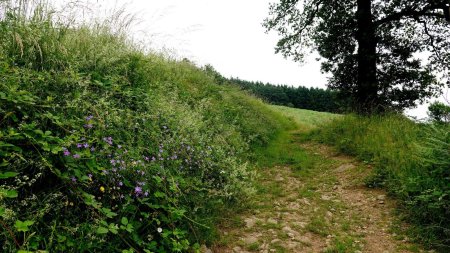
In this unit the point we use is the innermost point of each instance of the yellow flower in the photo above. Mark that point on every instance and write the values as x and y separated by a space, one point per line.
102 189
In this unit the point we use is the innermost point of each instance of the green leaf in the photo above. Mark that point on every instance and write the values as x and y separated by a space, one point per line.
2 211
108 212
113 228
8 193
8 174
11 194
38 131
61 238
102 230
55 149
22 226
159 194
124 220
130 228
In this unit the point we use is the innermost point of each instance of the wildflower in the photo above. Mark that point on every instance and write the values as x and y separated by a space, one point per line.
102 189
73 179
88 118
92 149
120 183
66 152
146 158
89 175
137 190
112 161
86 145
88 126
76 156
159 230
108 140
119 146
146 193
79 145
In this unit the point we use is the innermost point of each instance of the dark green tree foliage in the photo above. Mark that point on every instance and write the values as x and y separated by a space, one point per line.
299 97
371 47
439 112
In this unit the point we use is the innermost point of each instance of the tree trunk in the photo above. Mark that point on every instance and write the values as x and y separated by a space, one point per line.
367 85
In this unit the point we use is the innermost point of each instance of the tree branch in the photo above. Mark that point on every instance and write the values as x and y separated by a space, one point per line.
414 13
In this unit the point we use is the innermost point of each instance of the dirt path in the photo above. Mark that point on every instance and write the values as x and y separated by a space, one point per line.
322 207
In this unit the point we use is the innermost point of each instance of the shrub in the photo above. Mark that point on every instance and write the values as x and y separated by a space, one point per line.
439 112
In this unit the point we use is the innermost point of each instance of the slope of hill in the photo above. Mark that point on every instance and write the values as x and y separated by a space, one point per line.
105 147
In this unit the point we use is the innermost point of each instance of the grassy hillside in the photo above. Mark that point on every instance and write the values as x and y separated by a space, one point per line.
411 161
106 148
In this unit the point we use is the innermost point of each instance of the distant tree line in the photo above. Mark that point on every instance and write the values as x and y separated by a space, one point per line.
316 99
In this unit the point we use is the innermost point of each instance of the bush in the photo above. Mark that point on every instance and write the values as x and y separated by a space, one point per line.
439 112
106 148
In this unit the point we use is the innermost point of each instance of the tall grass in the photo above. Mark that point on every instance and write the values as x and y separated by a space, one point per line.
104 147
411 160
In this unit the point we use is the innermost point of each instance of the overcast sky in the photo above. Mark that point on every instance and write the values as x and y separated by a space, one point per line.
226 34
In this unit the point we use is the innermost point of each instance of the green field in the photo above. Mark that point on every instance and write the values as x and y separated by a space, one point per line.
305 119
